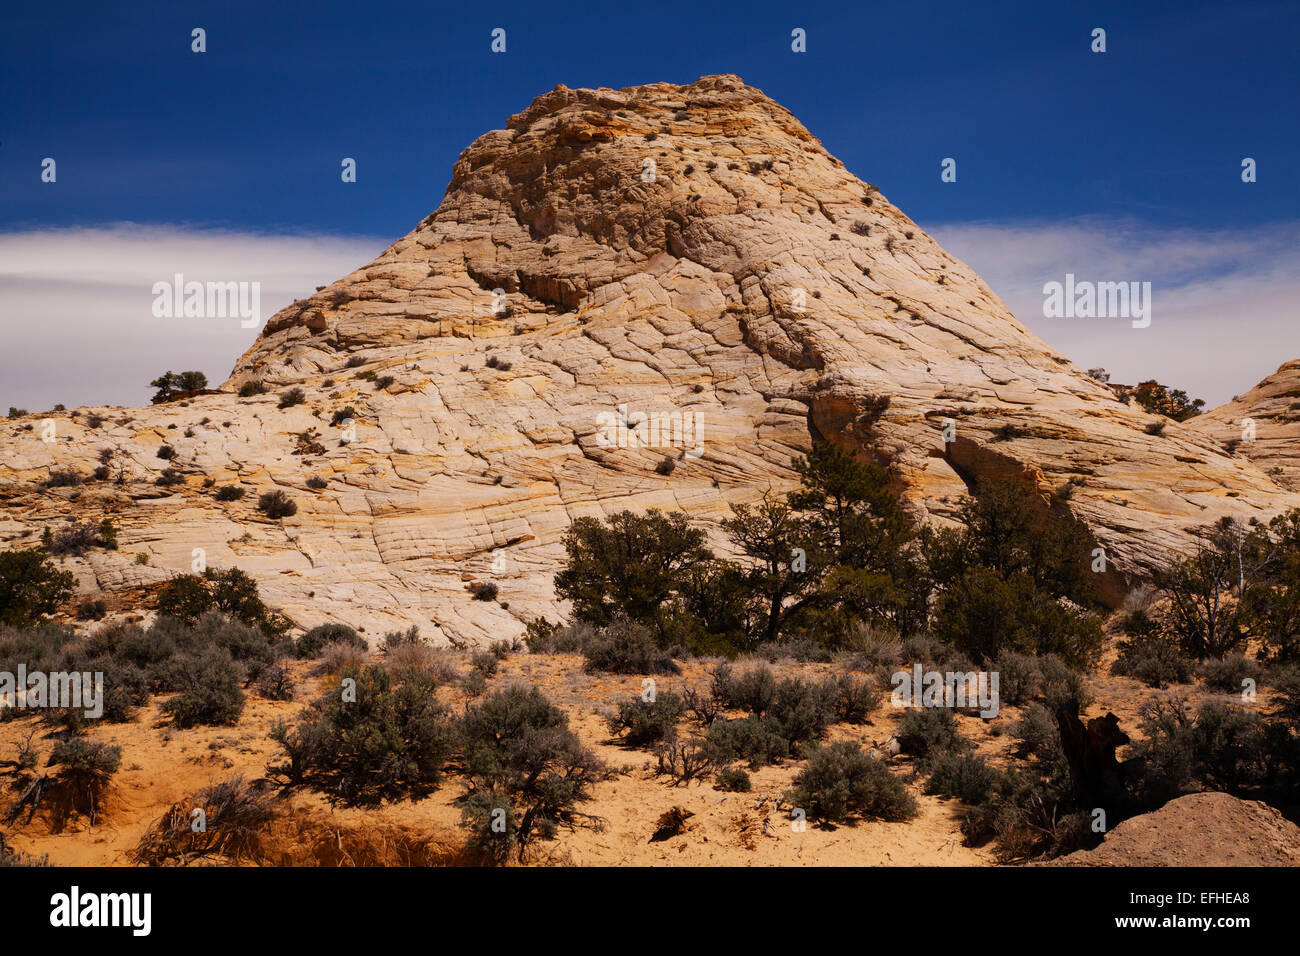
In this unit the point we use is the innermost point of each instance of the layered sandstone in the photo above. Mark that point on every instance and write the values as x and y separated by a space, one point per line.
664 255
1262 426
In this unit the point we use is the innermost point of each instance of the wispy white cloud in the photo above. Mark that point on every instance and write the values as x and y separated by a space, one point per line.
1226 303
76 304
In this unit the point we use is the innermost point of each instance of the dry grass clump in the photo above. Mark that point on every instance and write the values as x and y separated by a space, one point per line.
438 663
232 825
341 655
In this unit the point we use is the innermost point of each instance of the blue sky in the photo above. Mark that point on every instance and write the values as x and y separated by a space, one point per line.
1146 139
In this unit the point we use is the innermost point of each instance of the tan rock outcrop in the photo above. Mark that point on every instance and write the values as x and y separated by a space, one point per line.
1262 426
686 274
1199 829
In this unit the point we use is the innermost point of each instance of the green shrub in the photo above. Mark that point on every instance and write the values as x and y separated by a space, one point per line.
519 752
1151 654
294 396
930 731
31 587
187 597
210 693
85 759
229 493
86 768
852 700
753 689
842 781
79 537
626 647
163 654
312 642
543 637
132 644
393 740
970 779
982 613
1062 684
640 722
1286 682
1229 745
92 609
493 827
485 662
1037 732
249 646
758 741
40 647
1229 673
734 780
1019 677
275 683
1028 816
125 687
277 504
803 710
395 639
1222 747
794 649
793 710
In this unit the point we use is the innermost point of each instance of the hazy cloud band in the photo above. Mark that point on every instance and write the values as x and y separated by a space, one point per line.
76 303
1226 309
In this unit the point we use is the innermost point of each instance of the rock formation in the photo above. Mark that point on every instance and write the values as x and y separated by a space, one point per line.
649 297
1199 829
1262 426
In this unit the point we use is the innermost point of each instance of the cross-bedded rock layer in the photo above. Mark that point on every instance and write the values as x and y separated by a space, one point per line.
619 279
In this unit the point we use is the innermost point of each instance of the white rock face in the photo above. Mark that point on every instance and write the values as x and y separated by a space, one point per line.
685 275
1262 426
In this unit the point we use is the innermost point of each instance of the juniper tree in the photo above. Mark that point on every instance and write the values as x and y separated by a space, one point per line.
31 587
